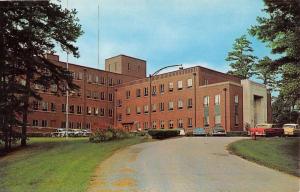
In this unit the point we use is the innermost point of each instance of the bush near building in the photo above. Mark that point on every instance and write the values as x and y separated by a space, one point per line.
163 133
102 135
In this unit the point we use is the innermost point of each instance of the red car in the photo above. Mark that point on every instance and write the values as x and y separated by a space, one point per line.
266 130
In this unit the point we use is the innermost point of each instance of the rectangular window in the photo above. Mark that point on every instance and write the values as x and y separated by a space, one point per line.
63 107
96 79
146 91
128 111
127 94
53 107
36 105
179 85
190 122
171 106
35 123
119 103
102 96
171 124
162 124
154 124
190 83
146 126
89 78
79 75
205 82
44 106
88 110
44 123
206 101
88 93
146 109
161 106
236 99
153 90
217 119
161 88
95 95
153 107
71 109
171 86
119 117
190 103
138 93
110 96
138 110
180 104
96 111
180 123
110 112
102 112
236 110
79 109
217 99
206 120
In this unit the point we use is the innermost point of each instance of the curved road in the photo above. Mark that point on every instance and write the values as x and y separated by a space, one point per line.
187 164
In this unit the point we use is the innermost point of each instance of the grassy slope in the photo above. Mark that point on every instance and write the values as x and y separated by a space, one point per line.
277 153
53 164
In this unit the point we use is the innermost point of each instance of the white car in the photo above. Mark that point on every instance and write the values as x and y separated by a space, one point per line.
181 132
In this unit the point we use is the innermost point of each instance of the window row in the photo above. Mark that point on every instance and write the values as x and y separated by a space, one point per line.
44 106
97 95
170 124
161 107
90 78
161 88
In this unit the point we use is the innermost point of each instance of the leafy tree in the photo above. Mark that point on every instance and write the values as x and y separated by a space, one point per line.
241 58
29 31
263 72
280 29
283 111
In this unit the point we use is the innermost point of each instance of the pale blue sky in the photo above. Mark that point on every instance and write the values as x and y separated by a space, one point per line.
164 32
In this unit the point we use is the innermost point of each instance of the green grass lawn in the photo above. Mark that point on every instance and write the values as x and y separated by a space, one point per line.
277 153
54 164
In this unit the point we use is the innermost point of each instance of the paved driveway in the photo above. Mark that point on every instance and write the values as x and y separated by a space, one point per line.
187 164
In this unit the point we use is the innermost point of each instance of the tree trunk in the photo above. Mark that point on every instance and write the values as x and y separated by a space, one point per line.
25 113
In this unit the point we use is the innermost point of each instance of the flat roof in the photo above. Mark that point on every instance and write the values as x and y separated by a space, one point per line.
126 56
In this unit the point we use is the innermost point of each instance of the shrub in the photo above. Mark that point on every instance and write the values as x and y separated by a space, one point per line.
102 135
163 133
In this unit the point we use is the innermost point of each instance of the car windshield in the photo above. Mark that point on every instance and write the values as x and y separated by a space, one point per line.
263 126
289 126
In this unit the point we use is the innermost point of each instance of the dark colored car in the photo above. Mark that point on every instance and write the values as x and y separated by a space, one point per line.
199 132
218 131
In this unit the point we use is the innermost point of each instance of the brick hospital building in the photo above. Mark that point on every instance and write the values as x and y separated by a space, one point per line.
120 96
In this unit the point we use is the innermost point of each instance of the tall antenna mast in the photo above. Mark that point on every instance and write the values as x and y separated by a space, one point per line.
98 37
67 101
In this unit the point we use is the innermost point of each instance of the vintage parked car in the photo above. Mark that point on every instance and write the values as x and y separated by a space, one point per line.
266 129
218 131
181 132
199 132
291 129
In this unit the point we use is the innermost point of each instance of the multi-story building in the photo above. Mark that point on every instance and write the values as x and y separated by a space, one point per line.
120 96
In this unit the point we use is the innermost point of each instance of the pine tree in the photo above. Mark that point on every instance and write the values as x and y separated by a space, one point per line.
241 58
263 72
29 31
280 29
